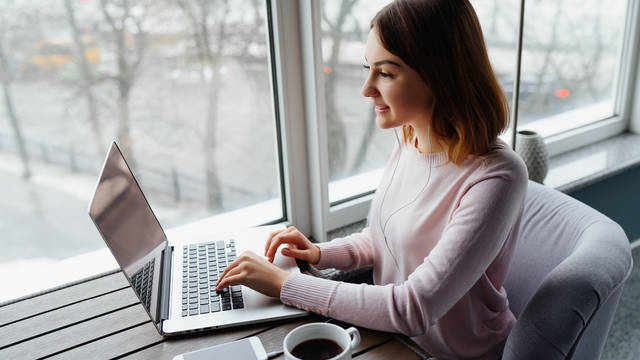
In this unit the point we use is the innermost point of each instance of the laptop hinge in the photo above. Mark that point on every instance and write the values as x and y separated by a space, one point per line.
167 256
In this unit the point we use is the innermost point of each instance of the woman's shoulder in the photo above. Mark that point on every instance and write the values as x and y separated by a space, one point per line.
501 161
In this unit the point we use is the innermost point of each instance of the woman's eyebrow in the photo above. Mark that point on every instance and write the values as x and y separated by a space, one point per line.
382 62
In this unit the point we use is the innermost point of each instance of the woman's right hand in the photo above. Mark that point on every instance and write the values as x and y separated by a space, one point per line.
299 246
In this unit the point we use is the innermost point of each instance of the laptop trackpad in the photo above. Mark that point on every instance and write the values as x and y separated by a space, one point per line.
286 262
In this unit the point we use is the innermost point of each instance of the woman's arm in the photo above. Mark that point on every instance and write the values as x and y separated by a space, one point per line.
347 253
479 226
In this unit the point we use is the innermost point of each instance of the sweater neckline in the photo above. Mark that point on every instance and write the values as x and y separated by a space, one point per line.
437 159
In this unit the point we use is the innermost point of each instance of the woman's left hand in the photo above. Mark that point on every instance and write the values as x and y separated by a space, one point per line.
253 271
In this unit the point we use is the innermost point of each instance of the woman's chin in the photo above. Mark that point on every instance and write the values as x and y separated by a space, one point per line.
385 123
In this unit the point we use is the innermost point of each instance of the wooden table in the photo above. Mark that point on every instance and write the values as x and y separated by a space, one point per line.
102 318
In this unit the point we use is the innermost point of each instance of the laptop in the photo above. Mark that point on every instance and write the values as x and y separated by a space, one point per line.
175 278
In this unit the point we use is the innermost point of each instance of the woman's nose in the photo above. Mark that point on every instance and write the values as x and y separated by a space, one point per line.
368 90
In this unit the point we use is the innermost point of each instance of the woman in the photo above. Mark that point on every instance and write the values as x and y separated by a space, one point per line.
444 221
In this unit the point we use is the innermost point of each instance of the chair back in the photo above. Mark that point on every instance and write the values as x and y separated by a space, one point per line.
565 278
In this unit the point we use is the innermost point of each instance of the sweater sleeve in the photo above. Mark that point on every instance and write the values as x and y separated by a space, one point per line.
476 232
347 253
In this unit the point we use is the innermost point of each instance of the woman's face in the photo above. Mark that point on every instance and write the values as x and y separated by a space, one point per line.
399 94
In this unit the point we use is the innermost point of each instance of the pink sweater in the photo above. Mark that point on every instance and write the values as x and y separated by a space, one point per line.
453 246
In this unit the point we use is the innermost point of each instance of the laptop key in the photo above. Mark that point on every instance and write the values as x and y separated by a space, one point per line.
226 307
193 312
236 288
204 309
215 307
184 313
193 306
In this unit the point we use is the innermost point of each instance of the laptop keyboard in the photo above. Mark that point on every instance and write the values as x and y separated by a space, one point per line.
202 264
141 281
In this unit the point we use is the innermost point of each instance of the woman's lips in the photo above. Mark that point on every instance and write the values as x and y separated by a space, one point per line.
382 109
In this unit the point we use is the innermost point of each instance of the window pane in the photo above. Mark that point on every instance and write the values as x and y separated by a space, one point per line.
184 86
499 21
358 149
356 145
570 61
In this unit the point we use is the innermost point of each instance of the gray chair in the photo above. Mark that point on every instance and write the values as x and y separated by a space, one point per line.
565 278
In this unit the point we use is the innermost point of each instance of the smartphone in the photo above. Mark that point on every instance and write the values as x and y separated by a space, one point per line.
249 349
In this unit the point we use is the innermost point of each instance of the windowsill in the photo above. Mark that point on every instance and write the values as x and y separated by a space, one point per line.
579 168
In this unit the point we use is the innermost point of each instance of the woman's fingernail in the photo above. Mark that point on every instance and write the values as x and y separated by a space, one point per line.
286 251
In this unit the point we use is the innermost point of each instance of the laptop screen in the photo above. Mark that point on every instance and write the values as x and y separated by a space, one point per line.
130 229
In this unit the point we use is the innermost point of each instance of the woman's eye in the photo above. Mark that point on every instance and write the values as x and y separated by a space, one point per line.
382 73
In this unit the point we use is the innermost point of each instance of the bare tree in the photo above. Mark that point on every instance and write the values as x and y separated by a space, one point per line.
209 50
336 129
5 77
88 80
124 26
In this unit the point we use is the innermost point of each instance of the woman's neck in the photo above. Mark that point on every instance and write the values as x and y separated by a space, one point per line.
421 142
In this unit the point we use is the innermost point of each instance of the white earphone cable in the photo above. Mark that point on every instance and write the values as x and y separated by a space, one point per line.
383 228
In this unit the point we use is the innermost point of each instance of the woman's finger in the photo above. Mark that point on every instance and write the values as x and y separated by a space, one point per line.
273 234
227 272
231 280
288 238
233 265
299 254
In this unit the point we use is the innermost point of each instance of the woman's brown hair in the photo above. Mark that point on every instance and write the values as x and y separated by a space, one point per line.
443 42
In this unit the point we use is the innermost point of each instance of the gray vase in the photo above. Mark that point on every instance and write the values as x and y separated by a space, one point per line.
530 146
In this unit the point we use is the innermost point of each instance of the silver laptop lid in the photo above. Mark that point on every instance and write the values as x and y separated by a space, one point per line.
131 230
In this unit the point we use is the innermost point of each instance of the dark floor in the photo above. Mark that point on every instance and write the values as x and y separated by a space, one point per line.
623 342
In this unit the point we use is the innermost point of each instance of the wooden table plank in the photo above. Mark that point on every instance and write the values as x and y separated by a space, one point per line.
62 297
96 319
65 316
174 346
115 345
393 349
76 335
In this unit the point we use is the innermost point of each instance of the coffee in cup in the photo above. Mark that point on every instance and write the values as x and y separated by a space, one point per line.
320 341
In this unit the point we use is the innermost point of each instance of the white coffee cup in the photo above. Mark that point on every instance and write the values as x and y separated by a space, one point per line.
348 339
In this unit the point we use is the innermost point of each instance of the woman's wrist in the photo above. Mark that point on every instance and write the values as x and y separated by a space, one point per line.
319 255
281 281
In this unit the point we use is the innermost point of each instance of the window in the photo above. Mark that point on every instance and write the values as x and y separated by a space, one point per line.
570 64
185 88
248 112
